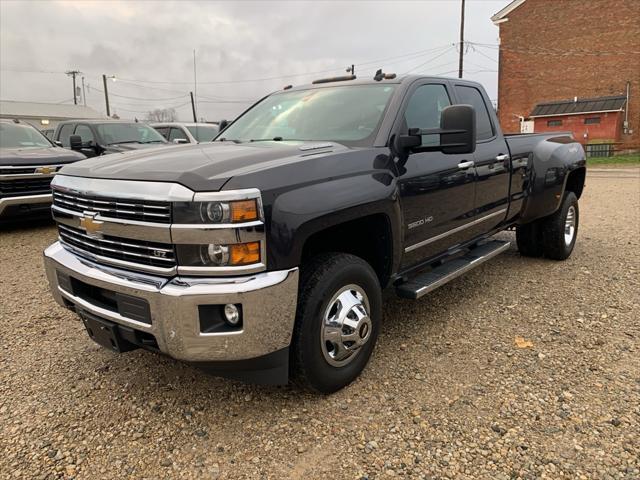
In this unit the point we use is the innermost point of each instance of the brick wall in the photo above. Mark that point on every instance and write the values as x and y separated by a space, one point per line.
555 50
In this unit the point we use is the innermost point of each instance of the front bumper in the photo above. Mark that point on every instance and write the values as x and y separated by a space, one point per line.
268 302
23 200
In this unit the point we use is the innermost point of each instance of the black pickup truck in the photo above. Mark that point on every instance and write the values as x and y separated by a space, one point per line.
263 255
28 162
102 137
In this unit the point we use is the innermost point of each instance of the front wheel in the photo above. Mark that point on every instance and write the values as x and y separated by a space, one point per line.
337 321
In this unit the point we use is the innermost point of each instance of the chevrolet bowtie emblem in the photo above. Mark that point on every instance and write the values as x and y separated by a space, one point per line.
45 170
91 225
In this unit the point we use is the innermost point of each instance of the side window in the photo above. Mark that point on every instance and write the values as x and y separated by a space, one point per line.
177 133
423 110
164 131
65 132
85 134
472 96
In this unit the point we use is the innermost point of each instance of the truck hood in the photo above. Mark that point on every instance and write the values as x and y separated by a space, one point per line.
200 167
37 156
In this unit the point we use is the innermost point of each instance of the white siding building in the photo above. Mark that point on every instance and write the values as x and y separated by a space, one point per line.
45 115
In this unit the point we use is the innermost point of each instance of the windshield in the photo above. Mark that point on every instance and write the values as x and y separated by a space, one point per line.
203 133
15 135
345 114
128 133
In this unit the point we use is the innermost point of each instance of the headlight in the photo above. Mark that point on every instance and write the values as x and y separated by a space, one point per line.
215 255
238 211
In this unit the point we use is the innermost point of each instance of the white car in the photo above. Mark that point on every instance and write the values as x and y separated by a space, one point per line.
186 132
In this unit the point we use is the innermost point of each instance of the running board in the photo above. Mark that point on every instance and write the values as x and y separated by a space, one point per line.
427 282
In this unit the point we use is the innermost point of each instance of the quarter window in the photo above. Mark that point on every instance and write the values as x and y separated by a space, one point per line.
472 96
424 108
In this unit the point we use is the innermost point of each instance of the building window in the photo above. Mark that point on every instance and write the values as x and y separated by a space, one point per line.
554 123
592 121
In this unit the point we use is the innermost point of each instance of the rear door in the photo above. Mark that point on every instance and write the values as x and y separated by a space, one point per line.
437 190
492 162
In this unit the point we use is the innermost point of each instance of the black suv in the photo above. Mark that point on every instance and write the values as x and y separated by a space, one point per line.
100 137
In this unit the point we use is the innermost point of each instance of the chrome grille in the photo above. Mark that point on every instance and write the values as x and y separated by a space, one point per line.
141 210
140 252
25 186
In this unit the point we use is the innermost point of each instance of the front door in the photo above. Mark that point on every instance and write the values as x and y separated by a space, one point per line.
88 140
437 190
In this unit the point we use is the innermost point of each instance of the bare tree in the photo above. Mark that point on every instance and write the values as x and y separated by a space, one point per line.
162 115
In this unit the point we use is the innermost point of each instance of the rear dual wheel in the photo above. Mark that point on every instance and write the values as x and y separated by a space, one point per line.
553 236
337 321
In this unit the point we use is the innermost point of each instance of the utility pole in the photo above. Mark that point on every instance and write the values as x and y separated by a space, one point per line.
461 40
106 94
72 74
193 108
84 94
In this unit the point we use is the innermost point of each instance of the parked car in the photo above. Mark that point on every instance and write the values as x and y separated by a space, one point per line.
100 137
263 255
187 132
28 162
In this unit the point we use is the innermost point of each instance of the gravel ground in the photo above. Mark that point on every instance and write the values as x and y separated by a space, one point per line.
447 394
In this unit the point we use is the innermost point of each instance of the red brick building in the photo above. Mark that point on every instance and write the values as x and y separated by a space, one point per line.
557 53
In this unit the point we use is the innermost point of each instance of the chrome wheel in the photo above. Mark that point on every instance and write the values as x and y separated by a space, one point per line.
346 326
570 225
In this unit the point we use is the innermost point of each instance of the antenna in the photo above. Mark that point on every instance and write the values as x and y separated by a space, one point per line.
194 100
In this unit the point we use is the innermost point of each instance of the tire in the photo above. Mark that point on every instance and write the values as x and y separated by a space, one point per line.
318 363
557 242
529 239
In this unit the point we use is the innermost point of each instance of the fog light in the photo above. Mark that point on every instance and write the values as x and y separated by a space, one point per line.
232 314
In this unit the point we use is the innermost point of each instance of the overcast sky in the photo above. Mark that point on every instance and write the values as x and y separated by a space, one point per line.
243 49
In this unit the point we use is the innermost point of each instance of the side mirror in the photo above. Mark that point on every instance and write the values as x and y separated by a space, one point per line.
75 141
222 125
178 141
457 133
458 123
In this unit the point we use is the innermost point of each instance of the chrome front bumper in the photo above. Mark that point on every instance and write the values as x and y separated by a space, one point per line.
268 302
23 200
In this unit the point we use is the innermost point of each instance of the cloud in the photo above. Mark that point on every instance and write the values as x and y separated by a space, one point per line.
146 42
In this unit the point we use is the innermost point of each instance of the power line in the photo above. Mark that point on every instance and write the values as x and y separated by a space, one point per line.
428 61
292 75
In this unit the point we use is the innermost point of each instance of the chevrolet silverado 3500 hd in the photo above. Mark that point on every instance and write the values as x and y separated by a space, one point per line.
262 255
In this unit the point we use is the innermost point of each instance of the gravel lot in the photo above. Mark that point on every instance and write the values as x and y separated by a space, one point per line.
448 393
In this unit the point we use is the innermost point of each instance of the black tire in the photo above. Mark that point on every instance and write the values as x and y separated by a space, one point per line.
529 239
553 229
322 278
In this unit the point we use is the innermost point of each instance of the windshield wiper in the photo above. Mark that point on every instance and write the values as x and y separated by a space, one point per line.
125 141
154 141
230 140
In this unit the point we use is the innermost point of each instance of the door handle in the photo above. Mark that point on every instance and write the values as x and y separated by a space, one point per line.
466 164
503 157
